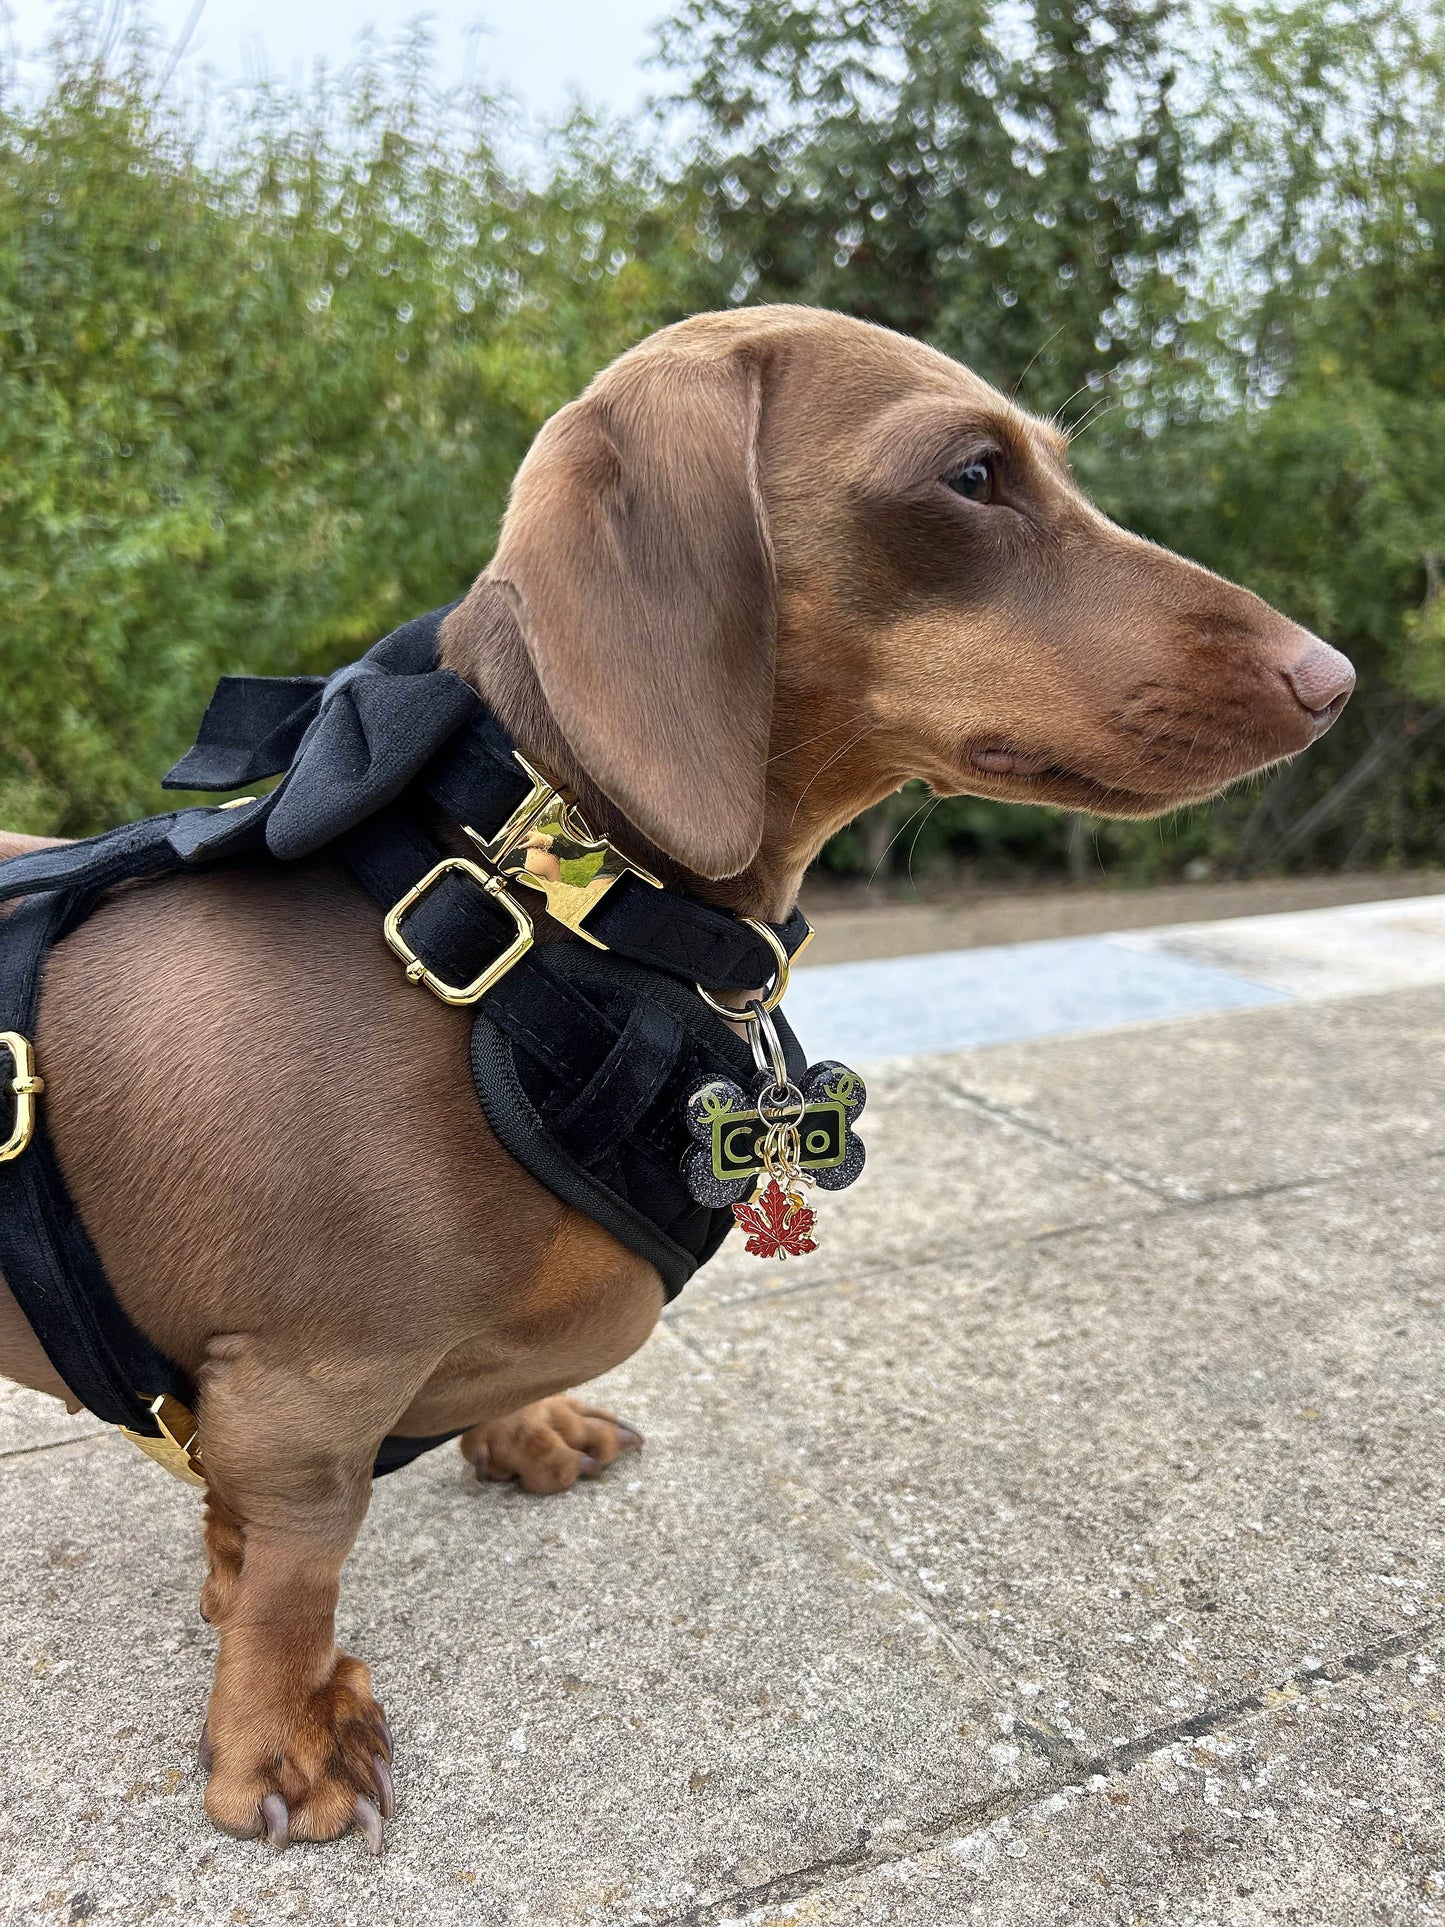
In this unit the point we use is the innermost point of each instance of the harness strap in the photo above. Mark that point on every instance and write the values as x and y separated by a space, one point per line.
98 863
350 745
47 1258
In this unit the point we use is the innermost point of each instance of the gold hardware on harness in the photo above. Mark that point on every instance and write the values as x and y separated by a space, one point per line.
178 1447
783 965
546 844
416 970
25 1086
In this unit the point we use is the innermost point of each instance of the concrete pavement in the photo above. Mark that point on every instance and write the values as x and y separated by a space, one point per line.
1063 1542
907 1005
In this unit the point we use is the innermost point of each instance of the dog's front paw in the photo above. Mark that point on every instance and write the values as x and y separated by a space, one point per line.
549 1445
307 1770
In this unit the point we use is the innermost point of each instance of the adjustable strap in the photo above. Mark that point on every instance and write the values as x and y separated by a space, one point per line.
690 940
47 1258
478 781
150 848
350 745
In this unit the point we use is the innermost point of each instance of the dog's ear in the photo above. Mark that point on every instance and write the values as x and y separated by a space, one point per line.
636 552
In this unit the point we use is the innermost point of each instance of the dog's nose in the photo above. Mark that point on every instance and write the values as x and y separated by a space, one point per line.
1321 680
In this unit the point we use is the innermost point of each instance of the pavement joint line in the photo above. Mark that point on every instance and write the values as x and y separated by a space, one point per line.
1155 1187
1280 1187
841 1514
52 1445
867 1273
1116 1762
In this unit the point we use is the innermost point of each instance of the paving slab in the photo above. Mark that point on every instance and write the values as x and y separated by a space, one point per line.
1140 1470
1342 951
905 1006
1323 1807
613 1706
30 1420
942 1172
902 1005
1228 1103
1066 1541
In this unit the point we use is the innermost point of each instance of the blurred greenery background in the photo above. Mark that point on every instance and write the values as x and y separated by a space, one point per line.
269 359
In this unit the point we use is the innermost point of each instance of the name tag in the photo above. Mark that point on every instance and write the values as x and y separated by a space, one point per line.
737 1141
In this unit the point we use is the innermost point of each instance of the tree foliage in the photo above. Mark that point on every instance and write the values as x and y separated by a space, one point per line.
1006 182
267 363
264 379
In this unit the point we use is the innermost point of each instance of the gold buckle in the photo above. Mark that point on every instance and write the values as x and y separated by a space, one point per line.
416 970
178 1448
25 1086
547 844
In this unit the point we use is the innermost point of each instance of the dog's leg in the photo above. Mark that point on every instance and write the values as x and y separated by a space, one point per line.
549 1445
225 1547
297 1744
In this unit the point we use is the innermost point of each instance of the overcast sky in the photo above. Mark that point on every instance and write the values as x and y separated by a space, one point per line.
542 49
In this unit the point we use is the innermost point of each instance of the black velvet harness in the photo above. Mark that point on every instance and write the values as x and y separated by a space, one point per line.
583 1057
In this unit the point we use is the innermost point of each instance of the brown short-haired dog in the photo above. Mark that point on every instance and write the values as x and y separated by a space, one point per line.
769 566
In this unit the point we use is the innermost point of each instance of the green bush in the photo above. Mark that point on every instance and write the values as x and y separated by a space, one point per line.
268 362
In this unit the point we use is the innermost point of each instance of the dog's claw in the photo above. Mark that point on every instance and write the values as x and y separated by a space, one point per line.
276 1821
588 1467
385 1786
369 1822
632 1439
386 1738
481 1463
205 1751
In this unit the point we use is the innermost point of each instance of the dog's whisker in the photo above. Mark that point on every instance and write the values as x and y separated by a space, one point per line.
1087 420
1033 358
852 743
894 838
817 738
1058 415
916 834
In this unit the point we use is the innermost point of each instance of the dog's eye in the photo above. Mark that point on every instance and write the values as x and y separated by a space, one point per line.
973 481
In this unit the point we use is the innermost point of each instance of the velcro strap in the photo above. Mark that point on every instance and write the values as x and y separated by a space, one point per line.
550 1019
623 1086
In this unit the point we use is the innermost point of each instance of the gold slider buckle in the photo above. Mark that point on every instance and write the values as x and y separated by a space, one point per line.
24 1086
416 970
547 844
178 1448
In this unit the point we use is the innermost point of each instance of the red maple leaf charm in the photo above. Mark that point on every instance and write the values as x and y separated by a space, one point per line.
776 1226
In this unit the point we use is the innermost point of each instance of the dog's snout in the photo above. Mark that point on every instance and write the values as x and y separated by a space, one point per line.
1321 680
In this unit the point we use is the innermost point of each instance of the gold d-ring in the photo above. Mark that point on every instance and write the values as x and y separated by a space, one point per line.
25 1085
780 980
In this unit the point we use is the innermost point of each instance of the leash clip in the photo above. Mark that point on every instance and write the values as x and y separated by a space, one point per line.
546 844
24 1086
